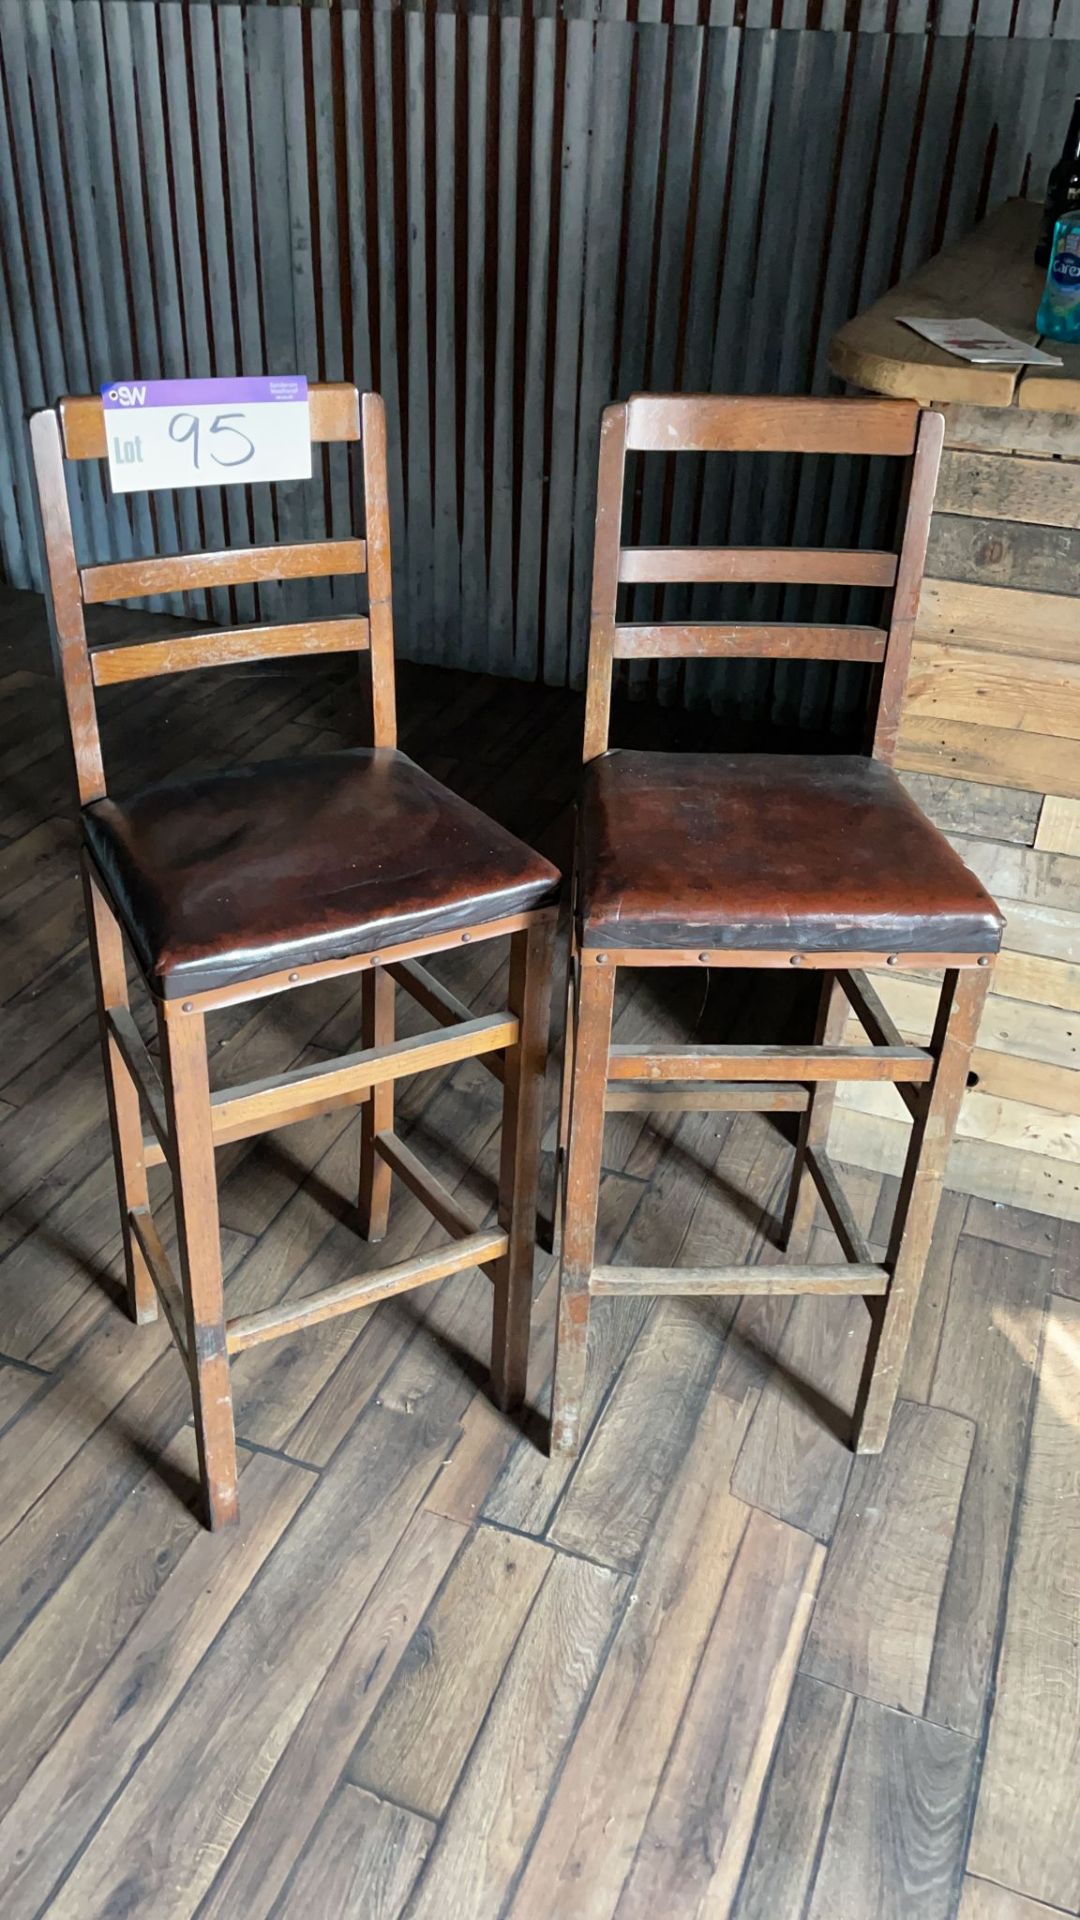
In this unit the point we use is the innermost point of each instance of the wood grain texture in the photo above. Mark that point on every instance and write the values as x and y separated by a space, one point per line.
698 1831
1015 693
1027 1822
580 1195
975 1166
288 1810
524 1066
186 1079
704 1282
925 1341
960 1005
851 567
985 1369
361 1862
17 1386
1059 826
230 647
70 1790
1046 492
749 641
1003 553
771 1063
1047 981
234 1722
512 1764
965 806
593 1822
889 1561
1012 1124
1030 1032
611 1502
1030 1083
527 1488
1025 874
365 1290
1013 430
957 613
1055 390
234 566
415 1748
783 1860
996 756
895 1838
796 1458
241 1110
118 1579
762 423
921 484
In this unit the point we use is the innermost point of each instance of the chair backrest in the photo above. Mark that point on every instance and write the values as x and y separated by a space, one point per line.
703 423
75 430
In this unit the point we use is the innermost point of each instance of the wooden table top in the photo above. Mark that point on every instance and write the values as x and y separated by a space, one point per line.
991 275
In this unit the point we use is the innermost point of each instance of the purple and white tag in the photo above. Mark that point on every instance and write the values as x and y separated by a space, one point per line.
206 433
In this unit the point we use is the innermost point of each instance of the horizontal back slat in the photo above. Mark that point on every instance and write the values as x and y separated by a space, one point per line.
233 567
333 407
748 641
707 423
226 647
788 566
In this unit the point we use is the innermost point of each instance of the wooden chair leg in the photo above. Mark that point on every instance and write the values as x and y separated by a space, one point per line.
519 1161
187 1094
813 1125
566 1076
588 1073
549 1236
125 1120
959 1010
377 1115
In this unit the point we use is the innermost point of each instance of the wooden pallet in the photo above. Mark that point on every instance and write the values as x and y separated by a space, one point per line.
991 721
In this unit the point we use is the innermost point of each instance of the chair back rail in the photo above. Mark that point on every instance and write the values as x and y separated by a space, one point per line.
75 430
705 423
232 567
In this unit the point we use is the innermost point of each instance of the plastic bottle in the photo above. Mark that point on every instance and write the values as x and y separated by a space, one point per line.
1059 309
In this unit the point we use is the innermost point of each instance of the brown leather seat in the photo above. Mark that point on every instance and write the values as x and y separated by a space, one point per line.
289 862
769 851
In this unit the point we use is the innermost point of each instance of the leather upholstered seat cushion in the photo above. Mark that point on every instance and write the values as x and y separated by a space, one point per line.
285 863
769 851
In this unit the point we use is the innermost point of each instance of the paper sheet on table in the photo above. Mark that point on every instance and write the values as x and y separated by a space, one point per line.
982 344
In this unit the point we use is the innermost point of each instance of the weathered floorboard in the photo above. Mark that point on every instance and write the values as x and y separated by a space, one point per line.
1027 1824
874 1625
894 1843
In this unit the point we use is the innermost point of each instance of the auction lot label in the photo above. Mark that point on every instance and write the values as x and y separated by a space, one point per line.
206 433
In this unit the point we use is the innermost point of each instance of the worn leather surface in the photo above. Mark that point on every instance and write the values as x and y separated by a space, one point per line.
769 851
287 862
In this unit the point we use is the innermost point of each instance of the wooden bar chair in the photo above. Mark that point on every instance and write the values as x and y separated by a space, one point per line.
760 860
267 877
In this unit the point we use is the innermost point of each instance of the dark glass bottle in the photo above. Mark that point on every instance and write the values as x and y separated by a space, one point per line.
1062 188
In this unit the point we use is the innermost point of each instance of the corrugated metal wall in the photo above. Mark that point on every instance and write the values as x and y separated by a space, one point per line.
502 217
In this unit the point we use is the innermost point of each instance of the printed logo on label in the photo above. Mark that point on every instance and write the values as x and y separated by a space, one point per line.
1066 269
127 396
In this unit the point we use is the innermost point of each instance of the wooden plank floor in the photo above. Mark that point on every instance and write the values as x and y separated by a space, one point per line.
713 1668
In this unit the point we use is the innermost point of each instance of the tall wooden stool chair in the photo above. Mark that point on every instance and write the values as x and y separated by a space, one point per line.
760 860
270 876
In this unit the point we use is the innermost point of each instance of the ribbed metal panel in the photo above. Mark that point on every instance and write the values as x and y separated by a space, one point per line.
501 216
